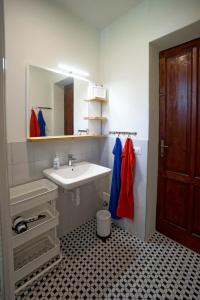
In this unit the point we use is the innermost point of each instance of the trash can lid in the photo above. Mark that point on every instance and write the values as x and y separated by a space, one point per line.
103 214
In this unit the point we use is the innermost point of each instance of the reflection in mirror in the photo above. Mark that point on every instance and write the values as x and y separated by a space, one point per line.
55 103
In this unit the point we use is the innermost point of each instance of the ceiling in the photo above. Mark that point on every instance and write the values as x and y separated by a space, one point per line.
99 13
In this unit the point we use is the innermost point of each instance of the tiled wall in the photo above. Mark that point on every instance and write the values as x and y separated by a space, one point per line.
91 196
27 160
136 227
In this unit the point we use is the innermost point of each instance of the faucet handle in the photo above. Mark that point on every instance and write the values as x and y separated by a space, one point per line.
71 156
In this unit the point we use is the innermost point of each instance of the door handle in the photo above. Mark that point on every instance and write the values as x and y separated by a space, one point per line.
162 148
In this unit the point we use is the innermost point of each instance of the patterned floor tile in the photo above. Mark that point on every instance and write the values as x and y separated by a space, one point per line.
122 268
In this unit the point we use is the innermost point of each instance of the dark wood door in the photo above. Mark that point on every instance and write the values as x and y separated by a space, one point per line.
178 206
69 109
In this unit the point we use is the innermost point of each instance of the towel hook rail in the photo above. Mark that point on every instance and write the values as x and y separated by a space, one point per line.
123 133
41 107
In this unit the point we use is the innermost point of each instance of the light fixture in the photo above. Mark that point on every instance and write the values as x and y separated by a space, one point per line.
73 70
68 74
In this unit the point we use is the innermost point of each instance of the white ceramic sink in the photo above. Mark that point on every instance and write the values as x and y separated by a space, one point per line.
77 175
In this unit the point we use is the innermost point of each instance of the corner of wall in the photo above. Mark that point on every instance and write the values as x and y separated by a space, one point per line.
152 164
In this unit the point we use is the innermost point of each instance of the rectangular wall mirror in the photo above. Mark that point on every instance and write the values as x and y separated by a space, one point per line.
57 102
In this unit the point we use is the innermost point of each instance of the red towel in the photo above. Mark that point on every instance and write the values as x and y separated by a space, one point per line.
34 126
125 206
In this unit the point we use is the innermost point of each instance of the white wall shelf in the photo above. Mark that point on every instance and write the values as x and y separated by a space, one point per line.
95 111
95 118
97 99
64 137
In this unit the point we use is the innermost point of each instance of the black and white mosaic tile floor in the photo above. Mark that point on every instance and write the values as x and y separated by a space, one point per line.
122 268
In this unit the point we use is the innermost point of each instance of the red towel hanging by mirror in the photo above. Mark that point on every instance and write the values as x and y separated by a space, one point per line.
34 126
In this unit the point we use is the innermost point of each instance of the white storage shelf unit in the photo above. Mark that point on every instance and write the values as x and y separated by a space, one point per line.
30 195
34 254
38 227
39 243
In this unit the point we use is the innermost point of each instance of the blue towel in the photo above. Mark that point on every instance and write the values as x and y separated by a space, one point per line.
41 123
116 179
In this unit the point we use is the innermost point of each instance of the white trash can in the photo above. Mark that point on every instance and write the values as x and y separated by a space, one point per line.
103 223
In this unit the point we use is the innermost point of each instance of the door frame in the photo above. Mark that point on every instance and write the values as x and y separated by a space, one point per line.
173 39
182 233
5 220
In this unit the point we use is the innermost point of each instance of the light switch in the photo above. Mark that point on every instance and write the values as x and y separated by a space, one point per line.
138 150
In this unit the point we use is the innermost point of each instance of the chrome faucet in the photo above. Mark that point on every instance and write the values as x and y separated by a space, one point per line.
71 158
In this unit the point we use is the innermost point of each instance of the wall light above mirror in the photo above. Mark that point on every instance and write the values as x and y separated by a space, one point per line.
73 70
57 104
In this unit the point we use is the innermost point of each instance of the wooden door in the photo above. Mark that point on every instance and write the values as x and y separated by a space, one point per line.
69 109
178 206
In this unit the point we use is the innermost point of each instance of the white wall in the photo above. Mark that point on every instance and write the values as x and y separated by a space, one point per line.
125 71
42 33
125 58
6 249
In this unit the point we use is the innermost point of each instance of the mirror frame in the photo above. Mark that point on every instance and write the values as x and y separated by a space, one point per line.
50 138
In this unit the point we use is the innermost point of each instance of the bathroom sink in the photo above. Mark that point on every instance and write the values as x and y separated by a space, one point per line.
76 175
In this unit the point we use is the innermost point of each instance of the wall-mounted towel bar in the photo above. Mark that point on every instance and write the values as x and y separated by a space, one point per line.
123 132
41 107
